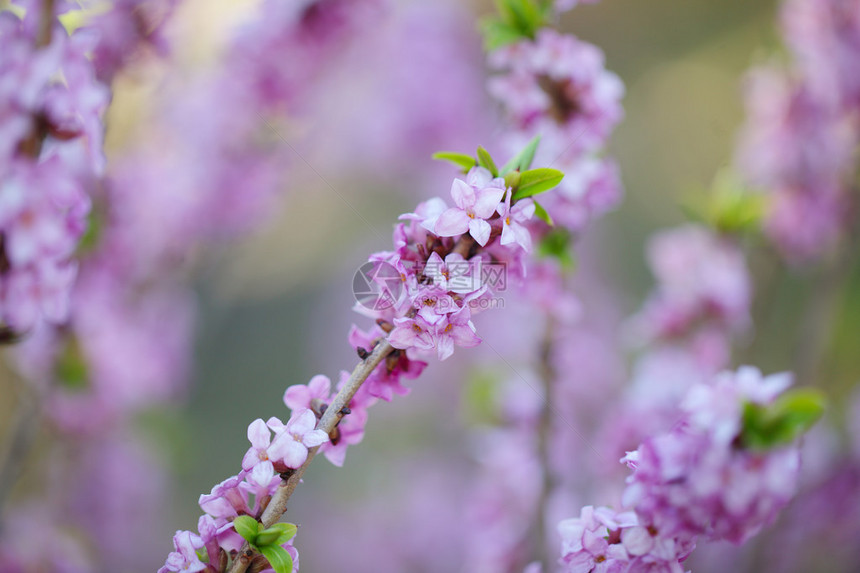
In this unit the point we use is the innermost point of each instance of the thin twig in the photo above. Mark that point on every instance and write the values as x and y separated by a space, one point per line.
544 435
46 24
278 506
22 434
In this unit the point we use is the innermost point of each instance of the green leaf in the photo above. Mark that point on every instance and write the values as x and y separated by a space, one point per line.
278 558
498 34
512 179
71 369
461 160
556 244
728 207
783 421
93 233
278 534
522 160
485 161
526 17
247 527
481 398
535 181
542 214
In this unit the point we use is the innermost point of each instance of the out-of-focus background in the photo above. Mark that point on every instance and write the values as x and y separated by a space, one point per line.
275 308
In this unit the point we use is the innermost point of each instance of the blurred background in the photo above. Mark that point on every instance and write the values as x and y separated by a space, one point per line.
273 308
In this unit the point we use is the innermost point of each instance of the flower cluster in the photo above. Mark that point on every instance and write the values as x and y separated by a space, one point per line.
801 136
51 109
444 258
703 289
556 86
424 294
719 474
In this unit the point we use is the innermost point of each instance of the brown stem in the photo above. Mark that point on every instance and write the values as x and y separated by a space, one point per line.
22 434
464 246
547 376
46 24
278 506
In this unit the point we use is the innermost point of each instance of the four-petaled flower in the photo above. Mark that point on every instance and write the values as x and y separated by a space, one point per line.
514 219
185 558
292 441
456 329
476 200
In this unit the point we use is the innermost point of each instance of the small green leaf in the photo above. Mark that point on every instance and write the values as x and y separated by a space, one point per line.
781 423
729 206
278 534
512 179
278 558
535 181
522 160
498 34
461 160
247 527
481 398
72 369
800 408
542 214
556 244
485 161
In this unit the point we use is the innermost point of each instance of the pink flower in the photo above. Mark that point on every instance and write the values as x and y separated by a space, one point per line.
258 454
414 332
185 558
514 219
292 441
476 200
301 396
455 330
454 274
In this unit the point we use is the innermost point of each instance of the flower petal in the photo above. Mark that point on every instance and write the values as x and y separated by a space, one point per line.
452 222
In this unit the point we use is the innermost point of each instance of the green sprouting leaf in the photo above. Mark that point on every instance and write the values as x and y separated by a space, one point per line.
461 160
535 181
278 558
481 397
728 207
512 179
485 161
556 244
800 408
522 160
542 214
247 527
783 421
498 34
278 534
93 232
72 370
524 16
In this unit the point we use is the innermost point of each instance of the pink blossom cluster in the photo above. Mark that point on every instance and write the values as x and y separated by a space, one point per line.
442 255
423 308
697 482
51 109
703 291
800 140
557 86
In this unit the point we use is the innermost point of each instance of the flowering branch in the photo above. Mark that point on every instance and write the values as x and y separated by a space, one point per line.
424 295
330 419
